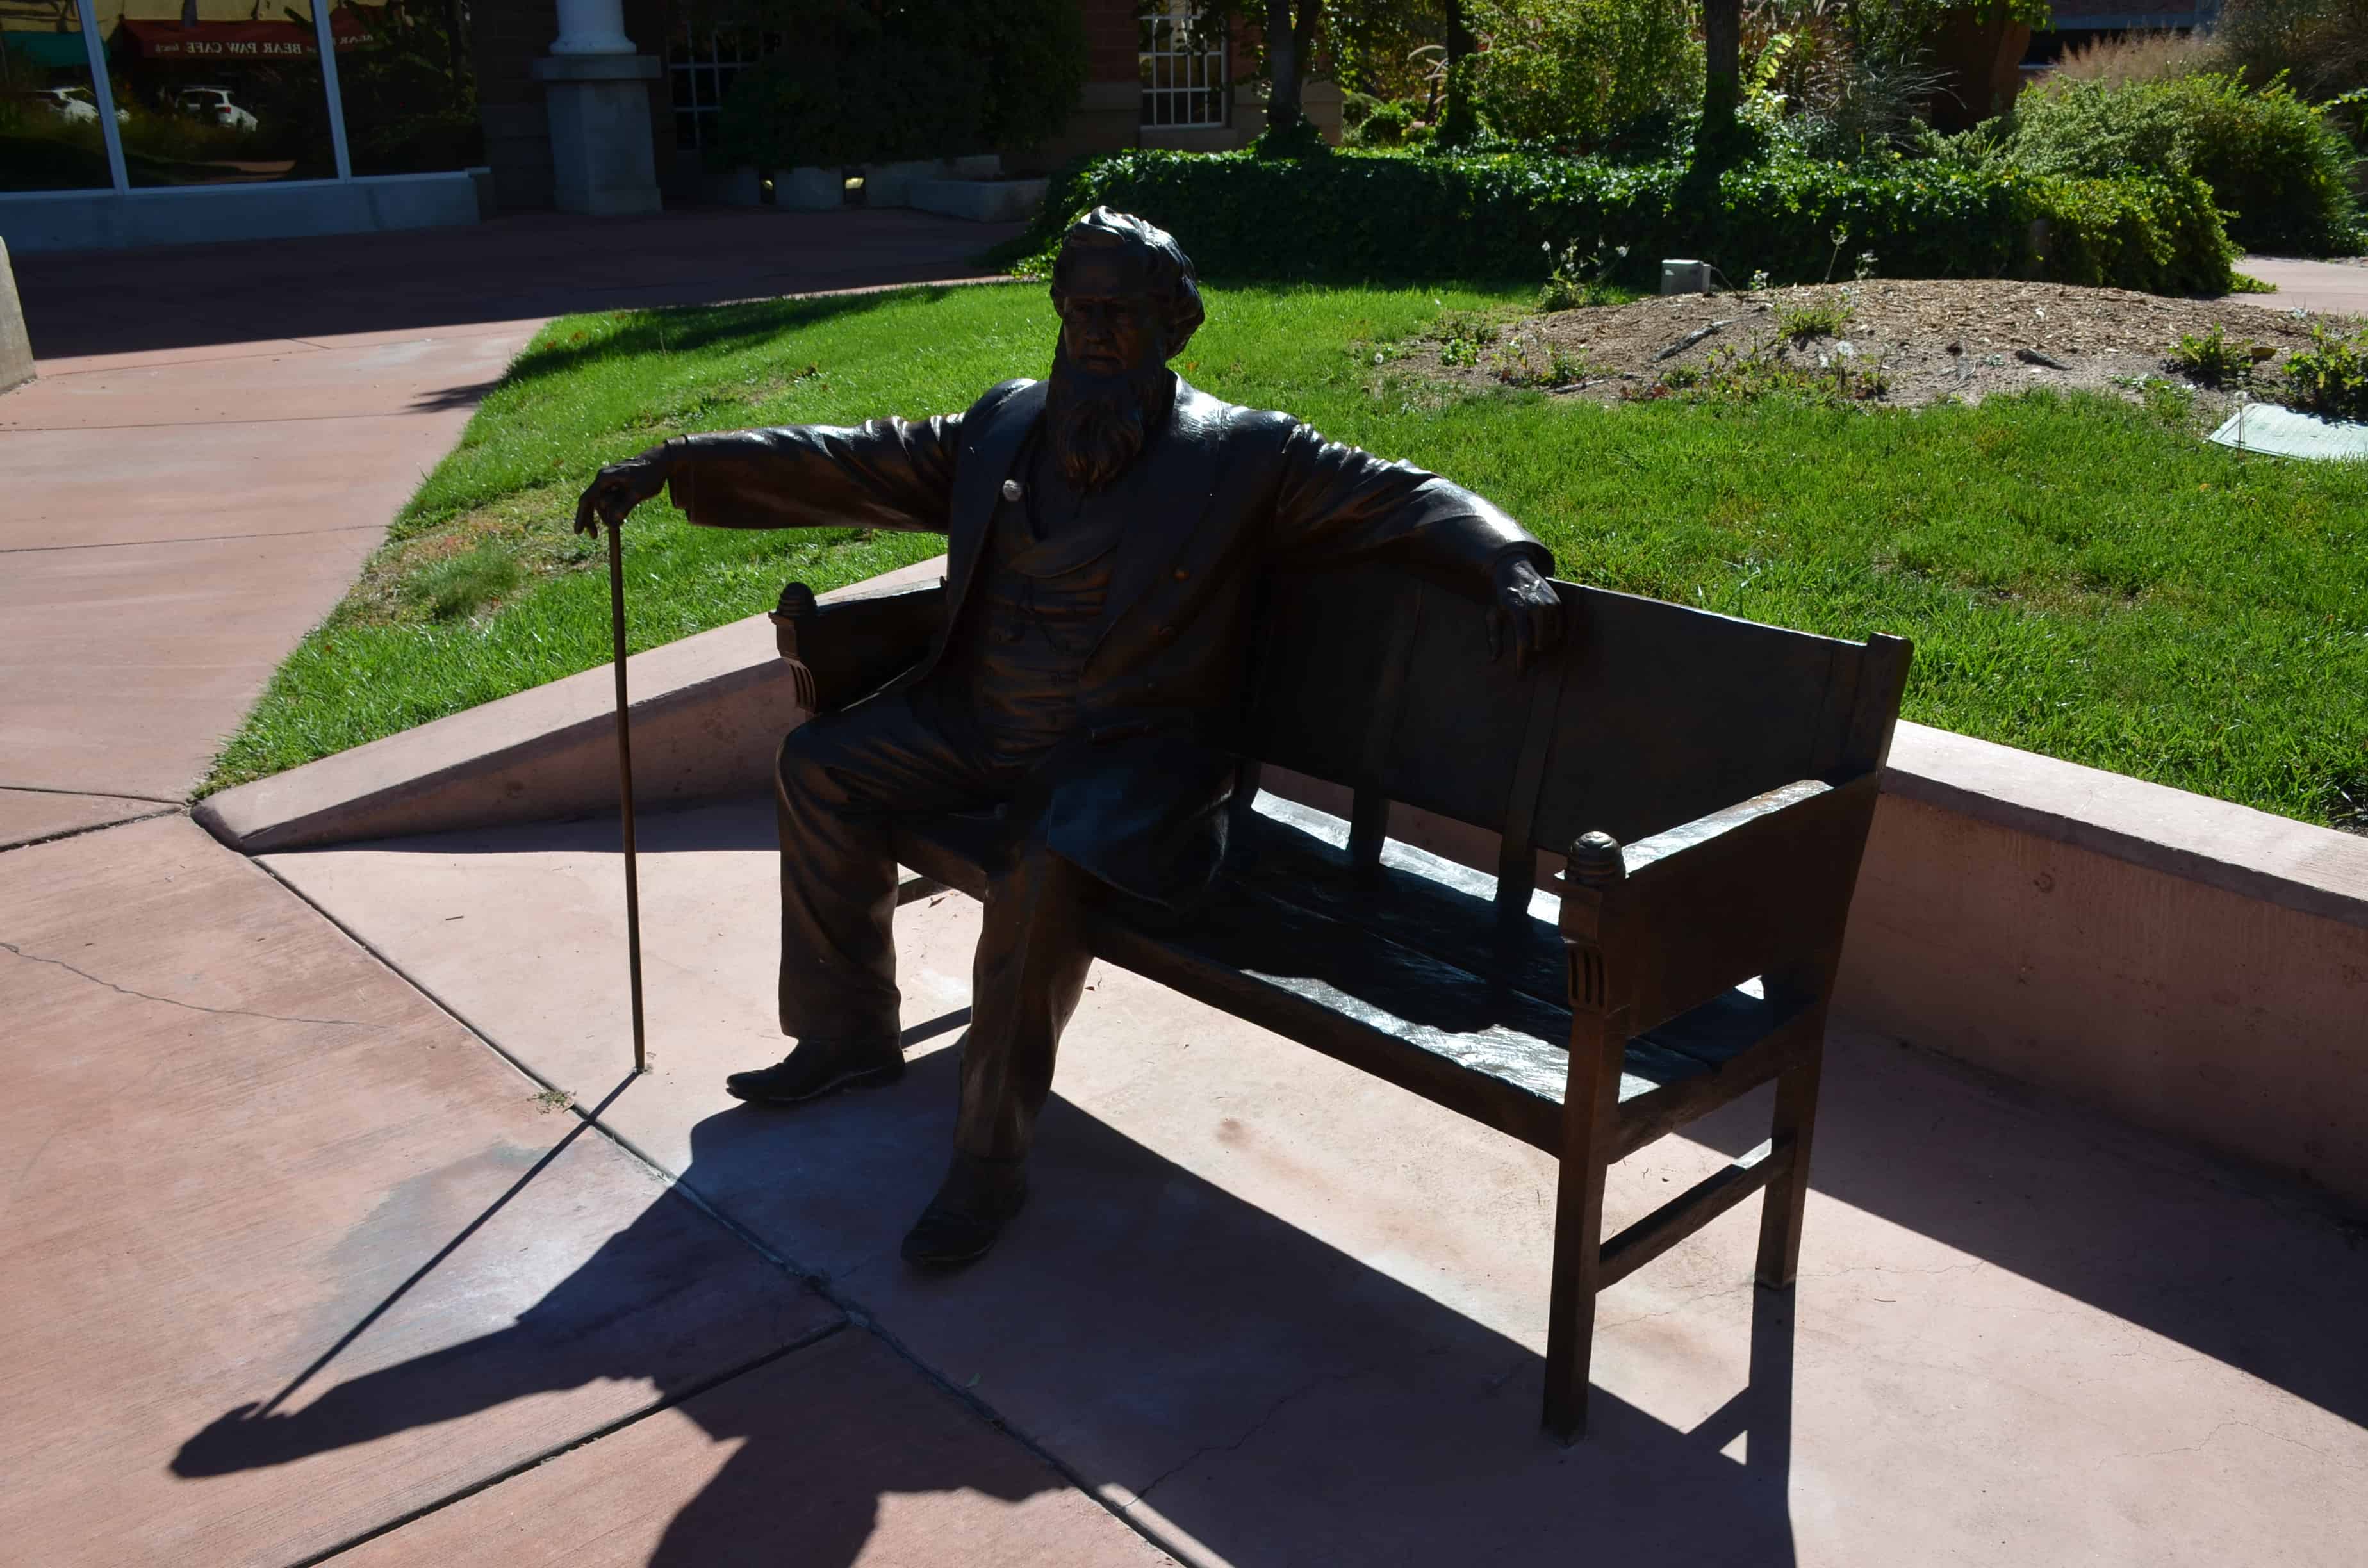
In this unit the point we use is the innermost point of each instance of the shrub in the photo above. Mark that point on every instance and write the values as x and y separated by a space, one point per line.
1383 125
2330 377
2134 233
1815 318
2277 167
923 80
1577 73
1374 215
2211 358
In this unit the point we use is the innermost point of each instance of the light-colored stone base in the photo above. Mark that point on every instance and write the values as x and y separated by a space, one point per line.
601 159
106 220
812 190
980 201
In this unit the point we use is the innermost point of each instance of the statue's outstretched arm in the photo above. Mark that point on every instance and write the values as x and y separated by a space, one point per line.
888 474
1335 504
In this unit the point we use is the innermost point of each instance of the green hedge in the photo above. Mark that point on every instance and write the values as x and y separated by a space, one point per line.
1384 216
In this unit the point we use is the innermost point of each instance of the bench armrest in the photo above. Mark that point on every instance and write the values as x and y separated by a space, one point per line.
856 643
1762 888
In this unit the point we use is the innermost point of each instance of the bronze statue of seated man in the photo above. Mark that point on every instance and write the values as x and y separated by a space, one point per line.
1106 532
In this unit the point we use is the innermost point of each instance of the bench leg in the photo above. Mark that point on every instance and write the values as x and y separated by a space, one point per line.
1788 1194
1588 1102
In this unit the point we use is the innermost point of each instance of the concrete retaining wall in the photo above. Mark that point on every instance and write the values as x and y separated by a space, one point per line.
2195 967
107 220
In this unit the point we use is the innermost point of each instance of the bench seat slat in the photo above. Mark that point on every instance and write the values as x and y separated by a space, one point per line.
1368 971
1297 855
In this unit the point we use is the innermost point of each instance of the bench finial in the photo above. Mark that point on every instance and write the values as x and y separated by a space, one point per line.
1596 862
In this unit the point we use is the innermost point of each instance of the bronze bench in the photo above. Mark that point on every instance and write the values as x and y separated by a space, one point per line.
1711 782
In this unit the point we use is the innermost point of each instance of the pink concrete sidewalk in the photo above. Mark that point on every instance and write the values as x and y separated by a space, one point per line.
1279 1312
201 468
2335 287
307 1263
298 1268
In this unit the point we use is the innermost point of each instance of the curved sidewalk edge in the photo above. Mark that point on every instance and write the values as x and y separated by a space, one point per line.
708 713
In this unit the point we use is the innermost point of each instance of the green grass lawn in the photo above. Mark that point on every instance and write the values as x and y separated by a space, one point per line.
2082 577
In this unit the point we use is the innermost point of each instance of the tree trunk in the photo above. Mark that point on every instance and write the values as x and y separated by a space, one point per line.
458 39
1457 123
1722 78
1285 61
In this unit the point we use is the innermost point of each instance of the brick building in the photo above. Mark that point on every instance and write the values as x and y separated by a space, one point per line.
1146 86
2080 21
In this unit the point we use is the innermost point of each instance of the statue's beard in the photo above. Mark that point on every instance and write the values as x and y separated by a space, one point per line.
1096 424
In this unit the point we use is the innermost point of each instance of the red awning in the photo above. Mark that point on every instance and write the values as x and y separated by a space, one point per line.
232 42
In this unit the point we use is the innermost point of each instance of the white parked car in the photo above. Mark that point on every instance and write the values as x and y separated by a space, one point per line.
73 105
212 105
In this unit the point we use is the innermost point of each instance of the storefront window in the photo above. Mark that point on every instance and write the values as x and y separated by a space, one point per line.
410 95
233 92
214 97
50 137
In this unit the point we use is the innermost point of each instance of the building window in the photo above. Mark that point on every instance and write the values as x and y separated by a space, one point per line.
1180 48
701 69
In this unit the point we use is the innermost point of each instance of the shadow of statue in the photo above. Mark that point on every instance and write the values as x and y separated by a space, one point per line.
1153 1330
795 1490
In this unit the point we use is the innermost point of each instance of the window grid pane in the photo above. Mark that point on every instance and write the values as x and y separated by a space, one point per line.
702 69
1182 55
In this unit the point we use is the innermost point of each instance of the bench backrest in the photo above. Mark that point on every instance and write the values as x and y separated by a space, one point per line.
1651 715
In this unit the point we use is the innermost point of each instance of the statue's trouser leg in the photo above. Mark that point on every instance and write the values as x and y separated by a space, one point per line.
1025 982
841 779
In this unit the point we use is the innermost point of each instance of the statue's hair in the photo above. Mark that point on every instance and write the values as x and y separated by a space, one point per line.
1170 270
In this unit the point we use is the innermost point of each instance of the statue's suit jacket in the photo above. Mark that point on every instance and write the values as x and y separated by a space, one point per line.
1233 492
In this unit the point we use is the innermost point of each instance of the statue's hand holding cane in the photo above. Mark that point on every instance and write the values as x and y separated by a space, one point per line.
621 486
610 499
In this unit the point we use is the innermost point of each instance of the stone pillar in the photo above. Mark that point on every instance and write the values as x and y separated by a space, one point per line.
600 155
15 349
591 27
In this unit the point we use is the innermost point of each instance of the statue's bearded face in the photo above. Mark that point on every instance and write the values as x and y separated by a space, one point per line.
1110 384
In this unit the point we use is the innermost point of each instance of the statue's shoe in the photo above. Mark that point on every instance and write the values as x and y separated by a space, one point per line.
961 1222
818 1067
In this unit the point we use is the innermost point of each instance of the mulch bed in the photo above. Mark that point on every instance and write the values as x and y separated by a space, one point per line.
1934 339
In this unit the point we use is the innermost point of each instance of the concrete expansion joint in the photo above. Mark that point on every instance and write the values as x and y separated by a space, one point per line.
863 1318
174 1001
536 1461
199 424
187 539
93 827
99 794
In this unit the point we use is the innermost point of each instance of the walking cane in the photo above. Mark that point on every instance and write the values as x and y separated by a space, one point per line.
625 798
